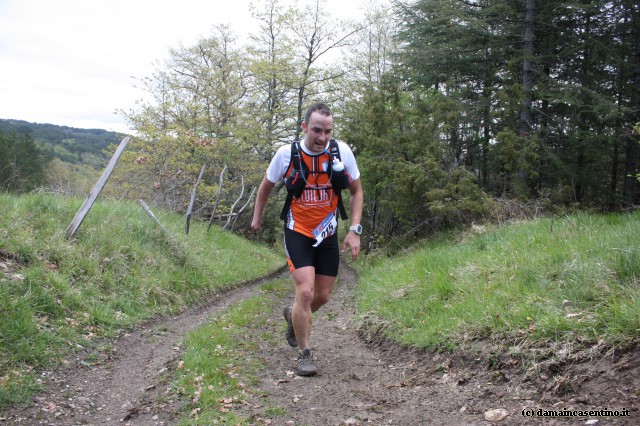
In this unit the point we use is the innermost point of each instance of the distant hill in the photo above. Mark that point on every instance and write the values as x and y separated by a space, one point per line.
69 144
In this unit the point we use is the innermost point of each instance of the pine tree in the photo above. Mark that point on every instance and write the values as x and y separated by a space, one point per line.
22 163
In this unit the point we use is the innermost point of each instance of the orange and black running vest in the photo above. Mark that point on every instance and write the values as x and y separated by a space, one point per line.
312 197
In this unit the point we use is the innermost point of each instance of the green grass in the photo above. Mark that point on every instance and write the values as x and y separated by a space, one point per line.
218 376
118 270
571 279
548 279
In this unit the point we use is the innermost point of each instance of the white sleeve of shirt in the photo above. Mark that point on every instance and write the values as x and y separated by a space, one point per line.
279 164
349 160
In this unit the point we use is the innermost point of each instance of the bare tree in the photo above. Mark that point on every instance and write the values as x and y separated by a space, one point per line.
318 34
273 70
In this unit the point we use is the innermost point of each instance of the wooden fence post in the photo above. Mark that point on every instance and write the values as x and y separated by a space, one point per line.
193 199
155 219
215 206
93 194
234 204
243 207
170 239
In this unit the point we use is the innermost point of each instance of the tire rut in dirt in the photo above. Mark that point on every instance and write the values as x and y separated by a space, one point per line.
123 386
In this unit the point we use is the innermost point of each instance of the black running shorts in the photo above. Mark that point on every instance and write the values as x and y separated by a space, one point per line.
300 252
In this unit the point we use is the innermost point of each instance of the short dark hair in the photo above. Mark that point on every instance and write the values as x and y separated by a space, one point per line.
320 107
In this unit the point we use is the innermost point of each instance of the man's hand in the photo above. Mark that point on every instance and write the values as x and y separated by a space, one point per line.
264 191
353 241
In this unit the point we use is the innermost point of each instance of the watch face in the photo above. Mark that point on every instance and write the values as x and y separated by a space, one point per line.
357 229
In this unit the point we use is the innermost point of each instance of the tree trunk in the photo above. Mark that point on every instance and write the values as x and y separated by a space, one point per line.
630 184
527 69
631 171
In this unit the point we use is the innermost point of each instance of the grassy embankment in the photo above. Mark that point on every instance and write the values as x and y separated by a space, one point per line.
57 294
550 280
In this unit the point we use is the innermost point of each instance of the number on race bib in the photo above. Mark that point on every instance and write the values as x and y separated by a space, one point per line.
325 229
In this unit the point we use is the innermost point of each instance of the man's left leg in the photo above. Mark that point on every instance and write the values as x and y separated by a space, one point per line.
302 313
322 291
327 262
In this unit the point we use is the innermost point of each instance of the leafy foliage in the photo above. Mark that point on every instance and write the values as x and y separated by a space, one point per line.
22 163
413 180
580 94
227 107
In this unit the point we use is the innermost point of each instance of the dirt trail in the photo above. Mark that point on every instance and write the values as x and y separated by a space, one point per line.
121 387
358 383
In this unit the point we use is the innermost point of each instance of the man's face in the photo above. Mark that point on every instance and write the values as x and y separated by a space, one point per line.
317 131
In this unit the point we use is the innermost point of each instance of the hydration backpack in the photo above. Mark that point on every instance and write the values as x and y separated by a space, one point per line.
297 180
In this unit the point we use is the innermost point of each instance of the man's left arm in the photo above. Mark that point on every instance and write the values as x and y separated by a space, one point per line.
355 212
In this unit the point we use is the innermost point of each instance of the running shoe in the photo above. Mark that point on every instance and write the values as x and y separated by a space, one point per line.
290 334
306 367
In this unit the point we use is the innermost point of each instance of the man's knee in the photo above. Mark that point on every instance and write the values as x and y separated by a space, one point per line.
320 298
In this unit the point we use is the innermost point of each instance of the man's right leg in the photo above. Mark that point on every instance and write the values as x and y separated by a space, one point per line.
302 318
300 256
301 314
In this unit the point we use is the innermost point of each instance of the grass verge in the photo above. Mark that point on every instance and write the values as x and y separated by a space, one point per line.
218 376
570 279
57 294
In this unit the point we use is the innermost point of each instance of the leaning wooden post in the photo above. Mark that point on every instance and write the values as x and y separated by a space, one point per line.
93 194
215 206
234 204
193 199
170 239
235 218
155 219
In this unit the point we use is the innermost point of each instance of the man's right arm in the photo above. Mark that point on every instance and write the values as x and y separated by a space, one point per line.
264 192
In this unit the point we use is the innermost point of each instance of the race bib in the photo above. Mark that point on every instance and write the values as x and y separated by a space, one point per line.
325 229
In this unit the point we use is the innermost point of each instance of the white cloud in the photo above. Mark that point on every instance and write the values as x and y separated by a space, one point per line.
72 62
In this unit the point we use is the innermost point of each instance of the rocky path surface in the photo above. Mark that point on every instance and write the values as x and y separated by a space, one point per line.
358 382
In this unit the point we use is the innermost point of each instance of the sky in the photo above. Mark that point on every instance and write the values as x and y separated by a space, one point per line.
77 62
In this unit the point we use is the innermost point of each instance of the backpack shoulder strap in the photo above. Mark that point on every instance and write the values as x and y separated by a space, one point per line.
334 152
294 163
334 149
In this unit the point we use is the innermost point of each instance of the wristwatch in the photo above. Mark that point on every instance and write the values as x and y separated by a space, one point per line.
356 228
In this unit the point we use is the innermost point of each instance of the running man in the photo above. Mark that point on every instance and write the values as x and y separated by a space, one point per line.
310 228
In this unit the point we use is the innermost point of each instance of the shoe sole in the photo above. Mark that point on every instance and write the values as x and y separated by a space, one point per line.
306 373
